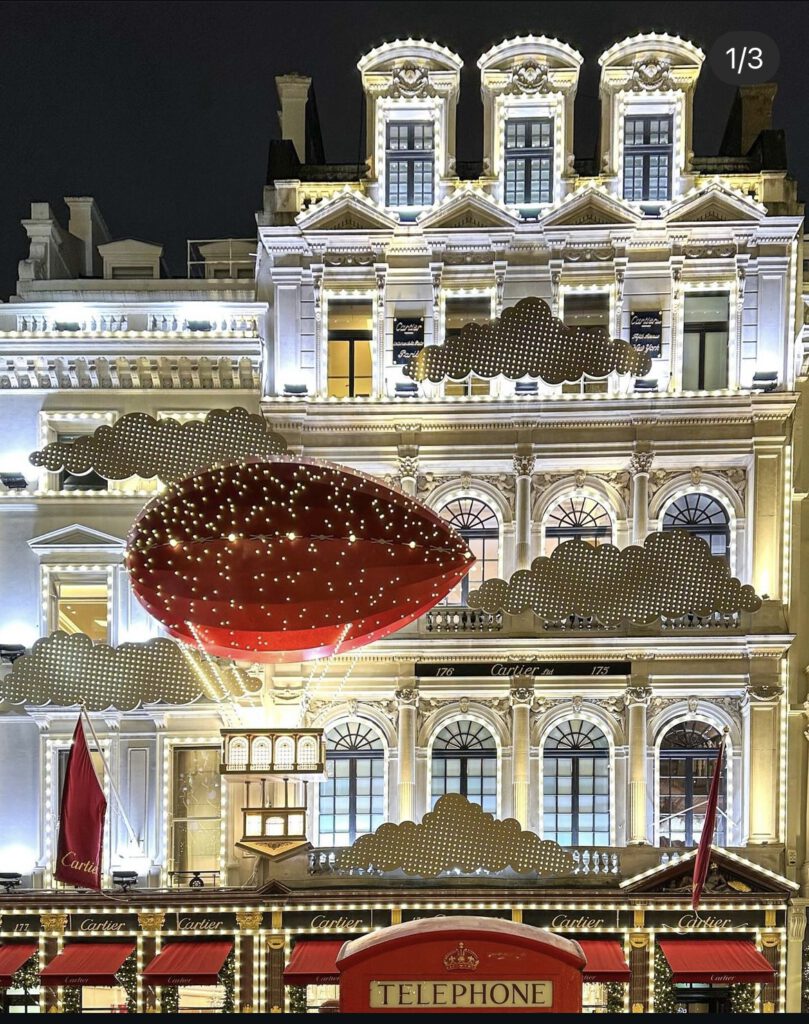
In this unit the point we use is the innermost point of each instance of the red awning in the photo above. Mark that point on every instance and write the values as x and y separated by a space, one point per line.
605 960
188 963
12 957
314 963
87 963
716 961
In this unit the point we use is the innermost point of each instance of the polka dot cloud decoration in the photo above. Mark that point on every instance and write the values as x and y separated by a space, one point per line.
673 574
289 560
139 444
66 669
527 340
456 834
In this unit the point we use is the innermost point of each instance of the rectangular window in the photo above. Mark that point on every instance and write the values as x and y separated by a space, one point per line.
350 365
529 161
587 311
196 809
648 153
409 163
78 482
95 999
460 310
80 603
705 341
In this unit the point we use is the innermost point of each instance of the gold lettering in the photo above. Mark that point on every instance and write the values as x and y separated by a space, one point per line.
478 994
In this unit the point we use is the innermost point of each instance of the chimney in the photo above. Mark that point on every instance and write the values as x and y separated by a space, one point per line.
750 115
87 224
293 92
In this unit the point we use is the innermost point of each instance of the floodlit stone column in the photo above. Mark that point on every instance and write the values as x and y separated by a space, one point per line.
762 720
637 701
796 929
408 701
639 466
523 468
522 698
768 516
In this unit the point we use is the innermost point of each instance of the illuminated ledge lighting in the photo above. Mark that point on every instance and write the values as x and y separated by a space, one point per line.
659 868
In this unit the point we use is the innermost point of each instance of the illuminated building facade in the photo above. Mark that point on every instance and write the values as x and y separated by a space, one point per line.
601 740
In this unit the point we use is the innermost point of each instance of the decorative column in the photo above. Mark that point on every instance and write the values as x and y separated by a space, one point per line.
640 951
53 925
407 699
637 699
151 924
761 713
796 930
640 464
500 268
522 698
436 271
321 342
249 922
523 468
768 515
275 972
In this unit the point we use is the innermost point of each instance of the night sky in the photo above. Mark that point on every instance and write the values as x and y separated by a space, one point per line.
163 111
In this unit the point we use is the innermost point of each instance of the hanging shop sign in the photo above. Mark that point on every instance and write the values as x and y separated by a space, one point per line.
339 921
505 669
646 331
408 338
102 924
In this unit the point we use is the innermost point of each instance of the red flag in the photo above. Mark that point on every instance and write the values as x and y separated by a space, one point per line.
81 819
702 860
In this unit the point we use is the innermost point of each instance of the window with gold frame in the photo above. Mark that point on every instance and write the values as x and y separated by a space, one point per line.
195 808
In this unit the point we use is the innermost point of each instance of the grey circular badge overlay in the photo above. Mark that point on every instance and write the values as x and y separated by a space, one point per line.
744 58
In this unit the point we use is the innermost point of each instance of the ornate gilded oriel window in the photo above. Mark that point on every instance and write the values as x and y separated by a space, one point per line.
648 161
409 162
704 516
352 797
576 785
479 527
579 517
688 756
529 161
196 809
465 762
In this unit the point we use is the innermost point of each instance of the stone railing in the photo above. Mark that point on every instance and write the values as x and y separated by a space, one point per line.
462 620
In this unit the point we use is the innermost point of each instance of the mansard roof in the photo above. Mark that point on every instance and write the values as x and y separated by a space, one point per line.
715 202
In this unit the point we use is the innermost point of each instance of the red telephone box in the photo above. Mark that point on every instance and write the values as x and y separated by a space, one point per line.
460 965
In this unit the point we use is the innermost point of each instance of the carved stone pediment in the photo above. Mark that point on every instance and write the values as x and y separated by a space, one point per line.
727 875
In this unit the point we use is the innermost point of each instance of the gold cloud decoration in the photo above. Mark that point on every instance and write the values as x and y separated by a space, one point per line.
65 669
672 574
139 444
456 834
527 341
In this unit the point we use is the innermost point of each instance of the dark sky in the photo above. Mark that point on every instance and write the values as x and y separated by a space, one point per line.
162 111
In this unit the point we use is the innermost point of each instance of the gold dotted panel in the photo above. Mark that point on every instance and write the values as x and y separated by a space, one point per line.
67 669
138 444
527 340
673 574
456 834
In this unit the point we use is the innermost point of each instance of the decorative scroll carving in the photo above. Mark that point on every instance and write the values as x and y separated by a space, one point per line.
640 462
151 921
504 483
619 480
672 574
408 695
139 444
249 920
457 834
530 77
650 73
54 923
709 250
527 340
588 255
522 695
65 669
410 81
524 464
732 705
637 695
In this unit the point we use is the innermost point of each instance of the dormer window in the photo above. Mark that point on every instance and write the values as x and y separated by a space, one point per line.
647 157
410 162
529 161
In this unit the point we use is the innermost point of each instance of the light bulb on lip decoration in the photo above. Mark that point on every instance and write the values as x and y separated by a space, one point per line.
289 560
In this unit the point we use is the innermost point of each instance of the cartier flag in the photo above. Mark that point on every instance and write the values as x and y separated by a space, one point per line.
703 858
81 819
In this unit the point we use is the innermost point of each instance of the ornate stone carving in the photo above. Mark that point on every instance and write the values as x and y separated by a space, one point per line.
696 476
579 478
657 478
54 923
732 705
650 73
736 478
637 695
408 465
796 923
349 259
764 693
709 250
529 77
408 695
249 920
522 695
524 465
504 483
151 921
410 80
588 255
640 462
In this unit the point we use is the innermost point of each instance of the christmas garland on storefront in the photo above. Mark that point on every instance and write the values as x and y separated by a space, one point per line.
297 998
170 996
27 977
742 997
615 996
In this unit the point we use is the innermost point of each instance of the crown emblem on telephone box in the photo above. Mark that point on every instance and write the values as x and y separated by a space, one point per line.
461 959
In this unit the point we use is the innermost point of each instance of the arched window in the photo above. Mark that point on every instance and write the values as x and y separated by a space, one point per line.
703 515
688 755
576 785
478 525
237 752
465 762
352 797
284 752
578 516
307 751
261 756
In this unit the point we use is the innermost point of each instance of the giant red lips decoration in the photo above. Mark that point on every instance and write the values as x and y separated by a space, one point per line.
289 560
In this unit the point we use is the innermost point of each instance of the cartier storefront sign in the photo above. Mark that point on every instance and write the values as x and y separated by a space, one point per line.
102 924
469 993
338 921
